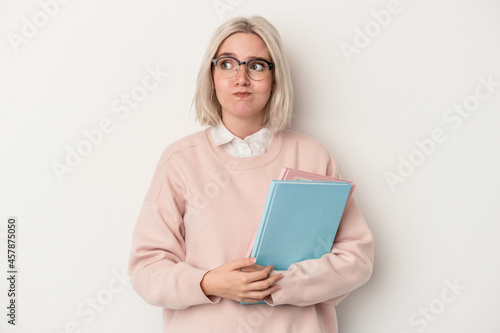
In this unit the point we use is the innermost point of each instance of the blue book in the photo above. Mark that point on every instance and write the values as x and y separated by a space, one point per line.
299 221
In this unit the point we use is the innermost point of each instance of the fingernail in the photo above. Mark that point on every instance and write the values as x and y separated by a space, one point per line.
253 260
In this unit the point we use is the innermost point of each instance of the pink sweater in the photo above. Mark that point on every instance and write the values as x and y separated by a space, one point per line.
203 208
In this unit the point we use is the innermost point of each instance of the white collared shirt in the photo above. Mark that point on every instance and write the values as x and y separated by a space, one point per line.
252 145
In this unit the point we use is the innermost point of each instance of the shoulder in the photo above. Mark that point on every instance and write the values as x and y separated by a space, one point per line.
309 153
297 139
174 157
182 147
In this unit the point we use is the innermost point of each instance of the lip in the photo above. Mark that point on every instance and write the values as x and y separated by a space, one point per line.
242 94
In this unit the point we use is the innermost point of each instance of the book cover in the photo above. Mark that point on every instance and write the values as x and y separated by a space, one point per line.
294 174
299 222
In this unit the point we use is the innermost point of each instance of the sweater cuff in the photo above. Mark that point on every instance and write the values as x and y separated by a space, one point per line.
279 297
189 290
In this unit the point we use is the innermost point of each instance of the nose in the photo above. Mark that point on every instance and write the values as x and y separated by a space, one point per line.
242 75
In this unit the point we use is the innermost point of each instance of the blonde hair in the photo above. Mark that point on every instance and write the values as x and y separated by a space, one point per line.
280 103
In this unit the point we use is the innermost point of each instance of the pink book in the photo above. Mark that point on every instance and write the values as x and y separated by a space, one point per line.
294 174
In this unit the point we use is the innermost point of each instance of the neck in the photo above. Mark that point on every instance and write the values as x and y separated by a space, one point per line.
242 127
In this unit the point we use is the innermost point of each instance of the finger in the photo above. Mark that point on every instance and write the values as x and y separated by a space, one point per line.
258 267
259 275
262 294
269 268
253 268
240 263
265 284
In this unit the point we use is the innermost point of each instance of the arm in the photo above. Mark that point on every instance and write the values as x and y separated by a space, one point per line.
157 269
333 276
157 266
241 281
161 278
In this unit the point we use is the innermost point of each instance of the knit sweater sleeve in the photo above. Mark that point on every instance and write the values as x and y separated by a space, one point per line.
157 267
333 276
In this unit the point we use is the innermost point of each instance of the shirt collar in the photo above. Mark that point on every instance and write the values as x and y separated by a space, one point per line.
221 135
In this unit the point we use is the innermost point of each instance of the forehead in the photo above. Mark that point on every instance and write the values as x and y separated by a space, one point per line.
244 46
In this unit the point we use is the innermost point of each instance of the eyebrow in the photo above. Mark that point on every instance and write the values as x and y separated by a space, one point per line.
229 54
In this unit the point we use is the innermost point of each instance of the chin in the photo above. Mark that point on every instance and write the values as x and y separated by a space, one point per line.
245 113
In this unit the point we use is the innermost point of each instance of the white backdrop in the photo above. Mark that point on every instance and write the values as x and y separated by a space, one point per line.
404 93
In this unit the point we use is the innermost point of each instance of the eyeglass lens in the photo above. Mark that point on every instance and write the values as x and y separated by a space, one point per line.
256 69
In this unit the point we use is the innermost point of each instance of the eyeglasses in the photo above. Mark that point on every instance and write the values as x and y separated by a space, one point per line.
257 69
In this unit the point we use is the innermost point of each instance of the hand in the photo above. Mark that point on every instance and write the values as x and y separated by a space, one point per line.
241 281
253 268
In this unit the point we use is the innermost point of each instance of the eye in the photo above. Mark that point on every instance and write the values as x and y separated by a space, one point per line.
258 66
226 64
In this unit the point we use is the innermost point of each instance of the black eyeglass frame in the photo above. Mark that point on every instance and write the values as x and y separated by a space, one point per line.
270 64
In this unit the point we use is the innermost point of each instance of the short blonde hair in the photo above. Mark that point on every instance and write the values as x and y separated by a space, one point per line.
280 104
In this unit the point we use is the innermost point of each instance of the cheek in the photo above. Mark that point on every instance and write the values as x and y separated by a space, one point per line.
220 85
219 88
265 88
223 97
268 85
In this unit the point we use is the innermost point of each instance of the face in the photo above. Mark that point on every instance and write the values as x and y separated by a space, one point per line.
241 98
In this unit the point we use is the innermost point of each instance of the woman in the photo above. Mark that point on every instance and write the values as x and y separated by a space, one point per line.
204 204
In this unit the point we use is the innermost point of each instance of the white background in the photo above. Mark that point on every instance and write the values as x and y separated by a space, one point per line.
437 225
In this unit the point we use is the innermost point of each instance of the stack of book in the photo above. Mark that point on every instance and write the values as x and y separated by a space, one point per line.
300 218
